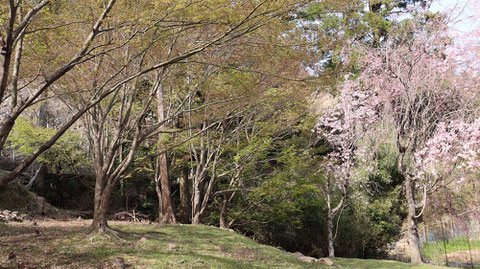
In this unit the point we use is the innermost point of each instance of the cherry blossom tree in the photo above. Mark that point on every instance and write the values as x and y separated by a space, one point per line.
418 97
341 127
451 159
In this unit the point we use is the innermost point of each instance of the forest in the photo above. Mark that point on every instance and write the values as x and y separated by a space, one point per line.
322 128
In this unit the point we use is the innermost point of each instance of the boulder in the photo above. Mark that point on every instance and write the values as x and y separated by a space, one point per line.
304 258
7 215
325 261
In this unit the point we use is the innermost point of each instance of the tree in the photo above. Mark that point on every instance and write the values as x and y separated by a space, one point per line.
15 36
342 126
233 22
411 108
65 156
121 120
452 155
329 26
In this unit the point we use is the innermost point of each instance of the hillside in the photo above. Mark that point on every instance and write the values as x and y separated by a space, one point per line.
64 244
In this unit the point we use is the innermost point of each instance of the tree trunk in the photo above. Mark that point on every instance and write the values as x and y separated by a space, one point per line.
158 190
39 177
223 214
99 223
6 126
184 197
101 201
168 210
6 54
166 196
330 215
412 232
331 250
197 194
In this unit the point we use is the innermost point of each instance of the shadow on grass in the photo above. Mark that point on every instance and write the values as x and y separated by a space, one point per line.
175 246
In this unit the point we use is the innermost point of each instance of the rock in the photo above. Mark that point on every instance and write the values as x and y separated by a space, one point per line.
7 216
119 263
172 246
142 240
325 261
304 258
308 259
298 254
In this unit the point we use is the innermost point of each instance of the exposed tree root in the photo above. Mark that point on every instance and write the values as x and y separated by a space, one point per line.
106 231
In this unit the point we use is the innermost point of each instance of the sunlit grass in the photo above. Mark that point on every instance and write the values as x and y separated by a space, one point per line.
377 264
435 251
65 245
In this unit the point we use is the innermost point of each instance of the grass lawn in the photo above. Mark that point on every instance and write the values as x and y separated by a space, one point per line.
374 264
457 251
434 249
64 244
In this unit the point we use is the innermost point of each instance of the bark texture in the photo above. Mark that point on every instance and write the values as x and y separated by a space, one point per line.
168 210
184 197
412 231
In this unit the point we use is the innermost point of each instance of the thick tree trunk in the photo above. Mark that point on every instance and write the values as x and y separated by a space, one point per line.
166 195
184 197
331 250
168 210
99 223
6 126
101 201
412 232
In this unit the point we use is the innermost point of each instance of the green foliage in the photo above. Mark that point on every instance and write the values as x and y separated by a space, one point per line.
66 154
368 226
375 218
291 212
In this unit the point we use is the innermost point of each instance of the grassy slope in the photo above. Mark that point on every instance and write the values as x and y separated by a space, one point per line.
64 244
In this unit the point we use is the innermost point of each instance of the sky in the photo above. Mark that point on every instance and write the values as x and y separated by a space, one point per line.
465 16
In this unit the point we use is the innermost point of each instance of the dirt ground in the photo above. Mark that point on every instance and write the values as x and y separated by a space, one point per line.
41 243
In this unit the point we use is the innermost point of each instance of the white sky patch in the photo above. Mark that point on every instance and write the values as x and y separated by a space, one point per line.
464 18
463 14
